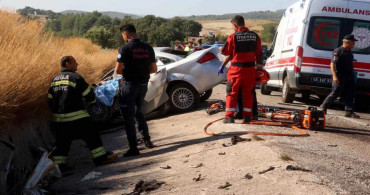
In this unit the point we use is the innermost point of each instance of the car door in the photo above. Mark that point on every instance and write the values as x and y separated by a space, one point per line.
156 94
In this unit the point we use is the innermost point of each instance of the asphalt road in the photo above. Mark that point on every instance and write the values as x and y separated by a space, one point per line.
339 155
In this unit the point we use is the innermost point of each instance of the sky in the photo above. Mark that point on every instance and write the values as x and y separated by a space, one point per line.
162 8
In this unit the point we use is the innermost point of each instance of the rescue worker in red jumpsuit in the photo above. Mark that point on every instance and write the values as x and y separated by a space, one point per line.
243 49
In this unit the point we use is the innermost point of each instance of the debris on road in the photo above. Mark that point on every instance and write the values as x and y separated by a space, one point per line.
225 186
91 175
256 138
235 139
297 168
186 161
146 186
333 146
248 176
197 166
227 145
199 178
222 153
286 157
166 167
267 170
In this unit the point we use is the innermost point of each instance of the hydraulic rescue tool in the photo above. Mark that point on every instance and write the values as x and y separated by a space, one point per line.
310 118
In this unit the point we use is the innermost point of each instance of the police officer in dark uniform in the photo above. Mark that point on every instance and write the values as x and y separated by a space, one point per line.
135 61
343 79
66 96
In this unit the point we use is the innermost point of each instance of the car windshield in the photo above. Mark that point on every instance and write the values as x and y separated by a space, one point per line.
326 33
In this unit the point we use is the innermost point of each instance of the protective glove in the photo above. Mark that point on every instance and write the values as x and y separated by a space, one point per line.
221 70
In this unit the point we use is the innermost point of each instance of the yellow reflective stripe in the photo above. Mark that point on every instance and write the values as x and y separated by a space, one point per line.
60 159
70 116
50 96
98 152
87 91
66 82
92 102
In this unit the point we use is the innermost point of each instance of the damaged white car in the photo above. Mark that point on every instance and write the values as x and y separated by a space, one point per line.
179 85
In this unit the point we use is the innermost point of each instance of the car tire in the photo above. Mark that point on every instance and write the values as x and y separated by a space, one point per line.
306 95
287 96
264 89
99 112
205 95
183 97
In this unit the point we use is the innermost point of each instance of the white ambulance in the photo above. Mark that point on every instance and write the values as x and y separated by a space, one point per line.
308 33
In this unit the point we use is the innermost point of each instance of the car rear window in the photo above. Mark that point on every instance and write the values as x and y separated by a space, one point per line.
326 33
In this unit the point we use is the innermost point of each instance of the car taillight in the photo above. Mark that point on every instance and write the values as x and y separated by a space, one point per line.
206 58
298 59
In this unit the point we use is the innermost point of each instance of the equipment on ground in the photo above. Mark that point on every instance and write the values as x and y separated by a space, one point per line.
310 118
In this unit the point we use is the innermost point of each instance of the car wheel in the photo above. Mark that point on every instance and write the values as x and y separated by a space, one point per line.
99 112
205 95
264 89
288 96
183 97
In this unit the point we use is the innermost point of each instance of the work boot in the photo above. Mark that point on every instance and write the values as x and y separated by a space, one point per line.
246 119
131 152
148 144
351 114
108 158
229 120
255 118
238 115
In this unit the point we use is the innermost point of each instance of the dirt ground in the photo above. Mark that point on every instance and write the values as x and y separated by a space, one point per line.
224 26
190 162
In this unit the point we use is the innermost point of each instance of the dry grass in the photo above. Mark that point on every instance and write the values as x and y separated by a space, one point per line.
224 27
29 59
285 157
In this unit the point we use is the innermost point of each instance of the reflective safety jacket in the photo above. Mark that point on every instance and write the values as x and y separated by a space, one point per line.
65 98
244 47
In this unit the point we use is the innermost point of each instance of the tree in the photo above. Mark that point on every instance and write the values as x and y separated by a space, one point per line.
101 36
268 32
103 21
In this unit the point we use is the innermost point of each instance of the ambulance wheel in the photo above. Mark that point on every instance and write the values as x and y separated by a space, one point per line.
183 97
288 96
205 95
264 89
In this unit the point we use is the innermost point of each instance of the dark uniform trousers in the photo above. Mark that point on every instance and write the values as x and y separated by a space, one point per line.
240 102
131 102
83 129
345 88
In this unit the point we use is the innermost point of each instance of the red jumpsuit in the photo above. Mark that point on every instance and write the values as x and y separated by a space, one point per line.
244 47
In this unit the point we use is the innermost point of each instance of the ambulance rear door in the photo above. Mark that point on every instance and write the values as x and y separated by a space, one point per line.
359 25
326 28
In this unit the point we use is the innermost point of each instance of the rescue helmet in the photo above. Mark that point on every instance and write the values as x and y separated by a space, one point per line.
262 76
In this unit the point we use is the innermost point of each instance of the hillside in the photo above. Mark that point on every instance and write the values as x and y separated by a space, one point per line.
111 14
266 15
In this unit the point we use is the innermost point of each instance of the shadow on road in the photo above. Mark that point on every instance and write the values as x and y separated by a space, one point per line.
347 131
